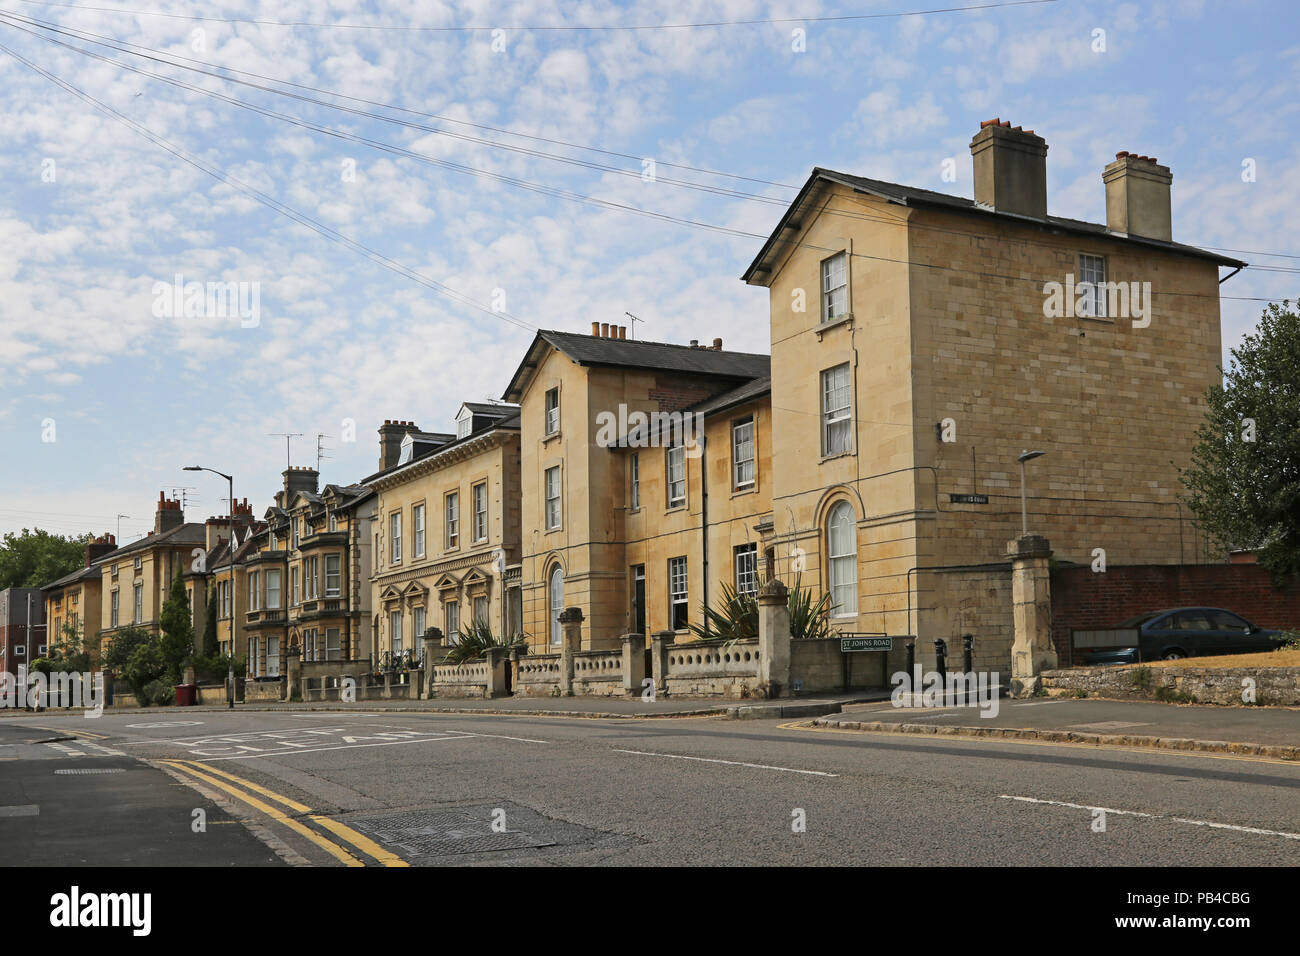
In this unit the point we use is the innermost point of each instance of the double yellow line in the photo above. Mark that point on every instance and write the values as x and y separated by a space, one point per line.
227 784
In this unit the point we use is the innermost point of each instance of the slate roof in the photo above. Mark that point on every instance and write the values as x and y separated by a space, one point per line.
596 350
191 532
915 196
510 421
75 576
736 396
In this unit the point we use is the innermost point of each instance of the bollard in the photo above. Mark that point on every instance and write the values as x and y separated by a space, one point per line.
968 652
941 664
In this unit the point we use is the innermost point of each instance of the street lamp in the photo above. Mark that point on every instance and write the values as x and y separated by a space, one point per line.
230 671
1024 515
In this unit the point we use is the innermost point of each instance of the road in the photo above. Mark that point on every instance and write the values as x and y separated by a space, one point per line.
388 789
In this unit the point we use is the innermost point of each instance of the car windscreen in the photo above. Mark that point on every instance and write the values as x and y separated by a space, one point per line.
1139 620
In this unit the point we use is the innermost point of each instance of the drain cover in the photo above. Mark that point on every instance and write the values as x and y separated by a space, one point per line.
80 770
446 832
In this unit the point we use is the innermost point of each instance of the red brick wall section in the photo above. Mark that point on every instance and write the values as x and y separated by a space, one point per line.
1083 599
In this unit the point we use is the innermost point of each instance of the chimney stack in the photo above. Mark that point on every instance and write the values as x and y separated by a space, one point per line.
1010 169
391 434
99 547
296 479
1137 196
168 515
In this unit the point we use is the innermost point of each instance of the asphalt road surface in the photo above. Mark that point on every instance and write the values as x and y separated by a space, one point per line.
387 789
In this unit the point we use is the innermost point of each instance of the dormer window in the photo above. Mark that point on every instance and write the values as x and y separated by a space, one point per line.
408 449
464 423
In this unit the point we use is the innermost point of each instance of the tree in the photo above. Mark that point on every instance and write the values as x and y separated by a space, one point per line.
211 646
120 647
1244 481
176 622
35 558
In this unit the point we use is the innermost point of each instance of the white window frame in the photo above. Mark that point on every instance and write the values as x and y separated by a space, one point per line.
451 618
746 567
139 604
635 468
555 603
480 527
417 520
742 436
395 537
675 463
333 645
553 484
451 509
835 287
837 419
336 574
1092 280
115 604
552 411
678 592
842 559
273 574
395 631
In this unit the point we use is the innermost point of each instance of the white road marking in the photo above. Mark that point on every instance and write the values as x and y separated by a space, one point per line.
1156 816
1037 703
21 810
107 751
734 763
316 750
1110 725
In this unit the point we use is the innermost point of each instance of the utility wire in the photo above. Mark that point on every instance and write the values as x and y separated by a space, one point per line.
269 201
524 184
161 57
551 28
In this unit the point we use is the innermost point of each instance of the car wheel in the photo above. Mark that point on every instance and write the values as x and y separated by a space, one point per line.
1174 655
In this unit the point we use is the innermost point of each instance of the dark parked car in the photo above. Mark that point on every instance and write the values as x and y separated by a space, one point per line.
1188 632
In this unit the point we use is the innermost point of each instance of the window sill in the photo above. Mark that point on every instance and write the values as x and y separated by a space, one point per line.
846 319
750 490
839 454
553 436
671 508
554 530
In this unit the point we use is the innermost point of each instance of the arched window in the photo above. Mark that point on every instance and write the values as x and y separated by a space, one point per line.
556 601
842 552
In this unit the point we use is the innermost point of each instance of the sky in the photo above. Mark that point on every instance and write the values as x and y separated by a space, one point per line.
483 183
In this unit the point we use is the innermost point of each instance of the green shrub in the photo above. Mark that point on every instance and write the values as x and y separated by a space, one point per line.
161 692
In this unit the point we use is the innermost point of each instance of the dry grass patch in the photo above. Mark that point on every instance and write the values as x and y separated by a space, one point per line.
1289 657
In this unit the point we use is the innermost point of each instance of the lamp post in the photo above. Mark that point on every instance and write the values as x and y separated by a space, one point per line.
1024 514
230 671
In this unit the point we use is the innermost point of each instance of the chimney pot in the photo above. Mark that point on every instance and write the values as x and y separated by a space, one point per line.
595 328
717 345
604 330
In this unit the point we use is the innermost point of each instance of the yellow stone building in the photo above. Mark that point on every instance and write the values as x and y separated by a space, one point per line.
73 602
135 578
301 578
613 521
447 529
923 342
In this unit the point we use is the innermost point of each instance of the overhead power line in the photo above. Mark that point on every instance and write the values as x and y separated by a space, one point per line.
548 27
269 201
167 59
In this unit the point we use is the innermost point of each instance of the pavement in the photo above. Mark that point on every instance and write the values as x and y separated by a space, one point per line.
423 788
603 707
1262 731
71 801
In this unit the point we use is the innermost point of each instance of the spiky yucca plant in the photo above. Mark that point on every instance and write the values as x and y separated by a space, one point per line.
475 640
735 617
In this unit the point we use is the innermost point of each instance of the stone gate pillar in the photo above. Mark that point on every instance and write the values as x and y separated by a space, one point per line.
432 642
661 643
570 644
633 664
293 674
773 639
1032 650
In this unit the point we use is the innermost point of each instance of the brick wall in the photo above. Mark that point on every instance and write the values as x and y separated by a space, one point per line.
1082 599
